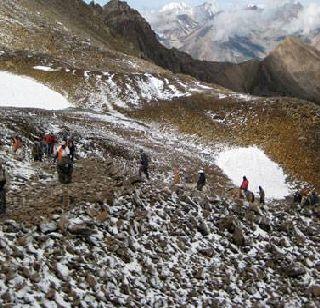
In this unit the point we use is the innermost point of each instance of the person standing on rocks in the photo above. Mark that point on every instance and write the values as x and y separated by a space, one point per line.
37 152
244 186
201 180
261 195
50 141
16 144
144 164
64 164
3 181
314 198
177 176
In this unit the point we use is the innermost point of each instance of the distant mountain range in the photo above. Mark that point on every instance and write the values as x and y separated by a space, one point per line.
233 35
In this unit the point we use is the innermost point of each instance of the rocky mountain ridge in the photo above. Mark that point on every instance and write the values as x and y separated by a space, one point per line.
252 31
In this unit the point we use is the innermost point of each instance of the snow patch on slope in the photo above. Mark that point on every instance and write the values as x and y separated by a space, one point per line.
257 167
24 92
45 68
127 91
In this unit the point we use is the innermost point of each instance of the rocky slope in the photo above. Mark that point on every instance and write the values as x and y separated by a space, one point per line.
100 46
110 239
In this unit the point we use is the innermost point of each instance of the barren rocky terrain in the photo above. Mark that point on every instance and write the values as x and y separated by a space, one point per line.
111 238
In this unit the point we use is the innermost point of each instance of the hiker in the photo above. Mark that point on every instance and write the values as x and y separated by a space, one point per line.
245 184
64 164
314 198
297 197
144 164
176 177
72 149
261 195
50 140
46 140
3 181
16 144
37 152
201 180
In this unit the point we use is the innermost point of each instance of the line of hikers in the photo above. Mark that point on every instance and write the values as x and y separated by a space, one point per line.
47 145
63 156
201 181
306 198
246 193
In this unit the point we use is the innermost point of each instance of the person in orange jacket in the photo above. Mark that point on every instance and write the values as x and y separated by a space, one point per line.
16 144
64 164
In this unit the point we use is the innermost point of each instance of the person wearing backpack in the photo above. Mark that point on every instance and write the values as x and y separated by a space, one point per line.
37 152
3 181
144 164
201 180
64 164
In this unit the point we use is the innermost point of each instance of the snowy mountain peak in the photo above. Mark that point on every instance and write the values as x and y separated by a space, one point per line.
252 7
175 6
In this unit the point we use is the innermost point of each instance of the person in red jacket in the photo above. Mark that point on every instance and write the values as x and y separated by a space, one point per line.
245 184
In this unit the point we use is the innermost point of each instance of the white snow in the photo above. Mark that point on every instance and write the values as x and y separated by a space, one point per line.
45 68
24 92
257 167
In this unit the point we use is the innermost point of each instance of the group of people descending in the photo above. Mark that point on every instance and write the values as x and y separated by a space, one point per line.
245 192
47 145
144 169
306 198
63 155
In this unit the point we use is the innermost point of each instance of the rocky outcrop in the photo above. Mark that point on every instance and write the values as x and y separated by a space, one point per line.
292 69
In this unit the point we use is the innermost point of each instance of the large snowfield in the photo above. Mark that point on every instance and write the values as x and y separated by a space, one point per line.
24 92
257 167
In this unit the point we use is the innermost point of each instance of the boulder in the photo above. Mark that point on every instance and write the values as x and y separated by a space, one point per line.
238 237
203 228
48 227
228 223
80 230
294 270
314 291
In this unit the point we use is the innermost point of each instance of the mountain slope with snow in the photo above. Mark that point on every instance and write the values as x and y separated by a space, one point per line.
176 20
112 238
236 34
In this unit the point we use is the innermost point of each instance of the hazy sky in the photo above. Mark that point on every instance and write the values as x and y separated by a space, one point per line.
152 4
